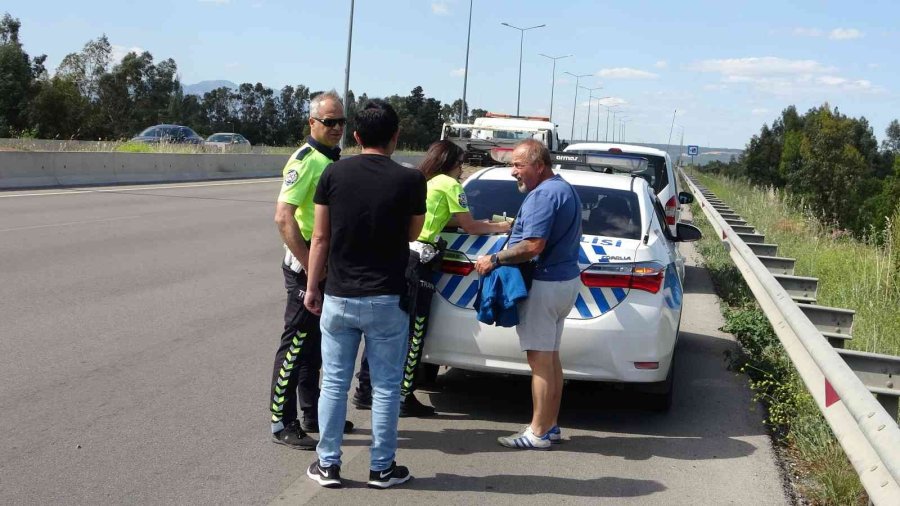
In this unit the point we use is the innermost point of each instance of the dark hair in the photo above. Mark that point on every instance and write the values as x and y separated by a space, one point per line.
376 124
441 158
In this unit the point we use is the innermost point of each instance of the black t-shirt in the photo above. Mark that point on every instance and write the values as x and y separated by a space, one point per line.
370 200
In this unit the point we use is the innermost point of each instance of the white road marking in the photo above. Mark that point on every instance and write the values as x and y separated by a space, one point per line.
138 188
66 224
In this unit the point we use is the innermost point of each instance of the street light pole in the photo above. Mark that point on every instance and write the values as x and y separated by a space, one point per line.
553 82
615 126
575 105
521 45
597 130
606 134
462 108
347 68
587 123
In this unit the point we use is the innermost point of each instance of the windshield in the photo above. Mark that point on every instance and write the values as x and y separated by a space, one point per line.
219 138
604 211
654 169
150 132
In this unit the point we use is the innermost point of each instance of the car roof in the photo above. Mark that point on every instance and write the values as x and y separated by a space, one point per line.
224 133
606 146
575 177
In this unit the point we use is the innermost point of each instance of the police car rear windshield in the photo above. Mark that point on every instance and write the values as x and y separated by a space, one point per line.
605 212
655 172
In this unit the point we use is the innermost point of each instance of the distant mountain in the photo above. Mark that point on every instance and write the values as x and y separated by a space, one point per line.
207 86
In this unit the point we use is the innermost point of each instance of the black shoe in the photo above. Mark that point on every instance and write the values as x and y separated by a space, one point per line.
411 407
293 436
362 400
328 477
391 476
313 426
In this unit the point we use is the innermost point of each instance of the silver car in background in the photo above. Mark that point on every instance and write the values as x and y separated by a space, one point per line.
228 142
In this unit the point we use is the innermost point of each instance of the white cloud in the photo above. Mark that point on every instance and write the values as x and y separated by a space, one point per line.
734 69
612 101
845 34
440 8
874 65
215 2
759 111
119 52
458 72
783 77
808 32
714 87
626 73
661 64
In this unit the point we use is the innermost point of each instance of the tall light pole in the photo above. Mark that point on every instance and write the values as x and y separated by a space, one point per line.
587 123
614 125
622 134
606 134
462 108
553 82
575 105
597 130
521 45
347 68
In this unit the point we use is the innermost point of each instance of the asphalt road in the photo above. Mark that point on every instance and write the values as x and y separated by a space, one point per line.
137 330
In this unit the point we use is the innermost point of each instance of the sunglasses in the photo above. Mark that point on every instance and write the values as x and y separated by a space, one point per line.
332 122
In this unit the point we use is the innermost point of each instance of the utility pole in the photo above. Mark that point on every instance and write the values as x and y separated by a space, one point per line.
521 45
553 82
575 105
347 68
462 108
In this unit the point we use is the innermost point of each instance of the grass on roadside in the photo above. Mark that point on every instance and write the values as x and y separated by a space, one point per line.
858 275
819 468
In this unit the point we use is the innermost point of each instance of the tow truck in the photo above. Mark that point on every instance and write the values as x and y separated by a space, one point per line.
490 139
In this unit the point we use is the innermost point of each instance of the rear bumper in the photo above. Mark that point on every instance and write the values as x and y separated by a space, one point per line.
598 349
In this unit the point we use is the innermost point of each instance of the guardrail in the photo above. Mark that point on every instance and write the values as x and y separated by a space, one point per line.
842 382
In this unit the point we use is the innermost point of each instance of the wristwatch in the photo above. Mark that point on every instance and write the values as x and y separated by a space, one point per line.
495 260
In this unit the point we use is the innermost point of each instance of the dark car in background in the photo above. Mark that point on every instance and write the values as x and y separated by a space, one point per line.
168 134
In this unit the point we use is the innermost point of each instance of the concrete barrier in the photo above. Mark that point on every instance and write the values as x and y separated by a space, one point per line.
47 169
42 169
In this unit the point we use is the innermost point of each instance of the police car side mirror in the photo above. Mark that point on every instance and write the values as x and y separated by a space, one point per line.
687 233
685 198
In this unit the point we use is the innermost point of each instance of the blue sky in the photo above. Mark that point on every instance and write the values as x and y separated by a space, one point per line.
727 67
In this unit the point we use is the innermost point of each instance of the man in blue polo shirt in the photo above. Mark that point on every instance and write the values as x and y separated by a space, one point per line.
547 228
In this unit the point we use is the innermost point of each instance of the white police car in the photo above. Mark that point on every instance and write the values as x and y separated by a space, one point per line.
658 172
625 322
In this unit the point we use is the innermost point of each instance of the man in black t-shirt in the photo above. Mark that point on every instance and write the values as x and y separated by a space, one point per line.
368 209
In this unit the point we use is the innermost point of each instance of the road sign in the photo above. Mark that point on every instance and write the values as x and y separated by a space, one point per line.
693 150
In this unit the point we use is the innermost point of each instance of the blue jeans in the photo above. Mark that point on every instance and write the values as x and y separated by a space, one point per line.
385 327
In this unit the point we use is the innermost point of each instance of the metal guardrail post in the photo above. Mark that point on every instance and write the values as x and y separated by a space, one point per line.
870 437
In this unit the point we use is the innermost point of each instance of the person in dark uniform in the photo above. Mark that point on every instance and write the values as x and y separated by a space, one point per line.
295 375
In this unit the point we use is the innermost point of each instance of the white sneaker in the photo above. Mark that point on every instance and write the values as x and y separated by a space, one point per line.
526 440
555 434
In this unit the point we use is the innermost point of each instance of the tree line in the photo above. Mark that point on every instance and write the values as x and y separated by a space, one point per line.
829 162
91 97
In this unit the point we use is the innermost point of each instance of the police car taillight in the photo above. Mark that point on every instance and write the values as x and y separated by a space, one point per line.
457 267
671 207
646 276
